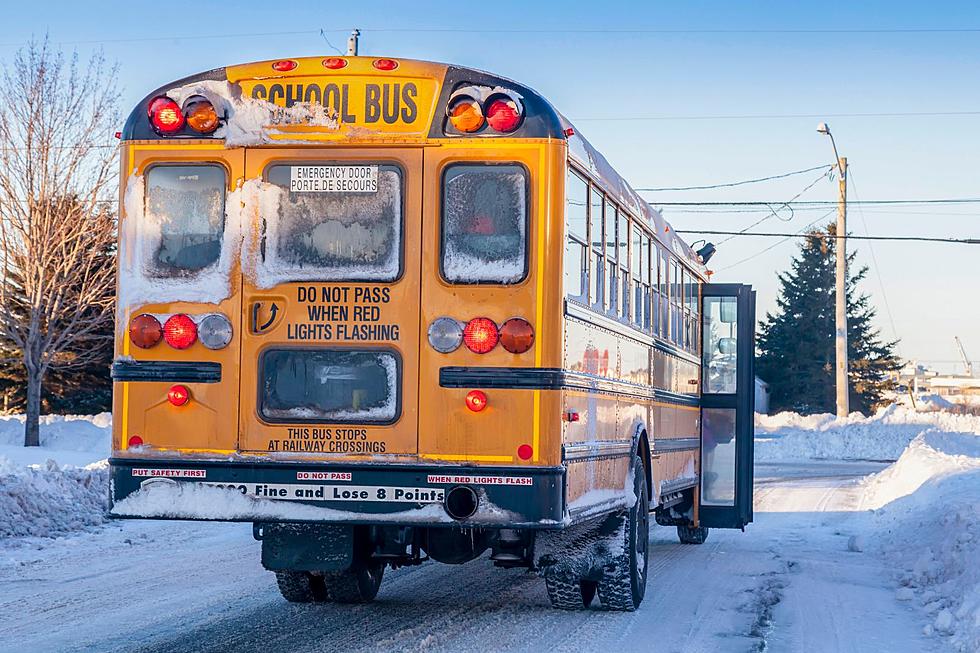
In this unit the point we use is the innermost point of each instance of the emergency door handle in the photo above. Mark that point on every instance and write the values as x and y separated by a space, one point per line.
256 309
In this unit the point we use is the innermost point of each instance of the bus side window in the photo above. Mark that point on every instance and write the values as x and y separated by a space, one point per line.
637 263
597 268
676 336
645 271
576 242
612 275
186 205
663 273
484 223
622 242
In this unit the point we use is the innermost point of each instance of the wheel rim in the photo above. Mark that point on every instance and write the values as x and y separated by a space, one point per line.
642 535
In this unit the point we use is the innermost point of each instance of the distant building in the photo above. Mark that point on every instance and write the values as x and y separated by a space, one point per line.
953 385
761 396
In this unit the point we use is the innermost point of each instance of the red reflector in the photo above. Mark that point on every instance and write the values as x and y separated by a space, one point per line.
569 131
284 65
145 331
333 63
179 331
525 451
572 416
503 115
476 400
165 116
118 135
385 64
178 395
135 441
516 335
480 335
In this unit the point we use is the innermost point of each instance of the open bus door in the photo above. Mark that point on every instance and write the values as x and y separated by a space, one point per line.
727 405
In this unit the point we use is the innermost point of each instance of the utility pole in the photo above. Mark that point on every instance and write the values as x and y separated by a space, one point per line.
843 402
840 293
352 43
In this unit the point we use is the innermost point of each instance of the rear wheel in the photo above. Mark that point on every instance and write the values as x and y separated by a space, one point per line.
358 584
692 534
567 594
301 587
624 582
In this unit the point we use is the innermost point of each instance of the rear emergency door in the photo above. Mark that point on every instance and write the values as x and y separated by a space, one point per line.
727 405
331 301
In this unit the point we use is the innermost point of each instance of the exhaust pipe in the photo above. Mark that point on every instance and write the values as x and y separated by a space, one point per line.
461 502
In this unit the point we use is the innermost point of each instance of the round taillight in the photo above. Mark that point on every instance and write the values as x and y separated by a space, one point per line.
284 66
516 335
480 335
445 334
135 441
179 331
525 451
178 395
465 114
200 114
385 64
504 113
145 331
476 400
165 115
214 331
334 63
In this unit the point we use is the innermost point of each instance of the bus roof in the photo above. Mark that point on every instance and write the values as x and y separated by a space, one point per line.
303 102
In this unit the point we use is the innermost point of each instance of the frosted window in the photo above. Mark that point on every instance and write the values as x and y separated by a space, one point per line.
484 224
185 218
336 236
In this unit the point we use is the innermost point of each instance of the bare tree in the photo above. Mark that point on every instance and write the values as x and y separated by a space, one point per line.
57 223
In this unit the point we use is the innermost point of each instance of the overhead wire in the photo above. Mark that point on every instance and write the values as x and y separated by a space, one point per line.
734 183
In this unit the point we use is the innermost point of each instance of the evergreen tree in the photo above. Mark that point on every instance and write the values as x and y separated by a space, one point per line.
796 344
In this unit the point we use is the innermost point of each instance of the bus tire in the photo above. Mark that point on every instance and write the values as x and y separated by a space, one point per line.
301 586
359 584
624 582
567 594
692 534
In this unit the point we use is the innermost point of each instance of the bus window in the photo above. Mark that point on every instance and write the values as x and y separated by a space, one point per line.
484 223
597 269
187 205
349 236
612 275
675 304
622 242
645 272
576 221
664 274
638 261
335 385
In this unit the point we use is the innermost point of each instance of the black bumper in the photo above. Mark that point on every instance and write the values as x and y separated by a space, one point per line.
394 494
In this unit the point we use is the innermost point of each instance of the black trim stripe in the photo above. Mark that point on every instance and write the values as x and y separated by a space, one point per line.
166 371
575 310
555 378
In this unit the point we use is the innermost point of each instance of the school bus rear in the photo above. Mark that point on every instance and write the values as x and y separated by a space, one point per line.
313 253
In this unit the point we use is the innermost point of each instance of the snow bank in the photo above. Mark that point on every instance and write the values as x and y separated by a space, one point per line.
40 497
883 436
926 522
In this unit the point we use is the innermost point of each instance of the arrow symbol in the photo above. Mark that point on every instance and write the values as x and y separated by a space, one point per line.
272 317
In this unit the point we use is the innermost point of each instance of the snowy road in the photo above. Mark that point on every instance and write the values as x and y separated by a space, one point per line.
788 584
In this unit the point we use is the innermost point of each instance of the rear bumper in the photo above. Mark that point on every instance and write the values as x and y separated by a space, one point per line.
405 495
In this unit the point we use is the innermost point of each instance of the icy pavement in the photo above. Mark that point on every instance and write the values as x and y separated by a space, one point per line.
789 583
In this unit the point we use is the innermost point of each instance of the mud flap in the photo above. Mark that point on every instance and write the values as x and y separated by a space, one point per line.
307 547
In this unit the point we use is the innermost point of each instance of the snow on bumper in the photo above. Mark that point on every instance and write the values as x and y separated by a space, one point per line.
351 494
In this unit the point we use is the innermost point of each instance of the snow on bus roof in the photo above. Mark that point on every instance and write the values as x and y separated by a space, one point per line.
592 161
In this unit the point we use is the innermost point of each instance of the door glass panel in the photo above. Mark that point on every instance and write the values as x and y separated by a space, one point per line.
720 338
718 451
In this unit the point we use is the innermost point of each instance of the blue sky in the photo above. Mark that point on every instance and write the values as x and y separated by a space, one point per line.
597 79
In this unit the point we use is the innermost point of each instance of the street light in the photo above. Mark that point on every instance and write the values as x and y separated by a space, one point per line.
840 321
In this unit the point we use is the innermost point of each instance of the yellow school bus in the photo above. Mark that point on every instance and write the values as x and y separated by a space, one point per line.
391 311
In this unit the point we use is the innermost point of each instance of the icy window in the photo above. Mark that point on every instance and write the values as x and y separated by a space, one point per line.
334 223
484 225
185 218
329 385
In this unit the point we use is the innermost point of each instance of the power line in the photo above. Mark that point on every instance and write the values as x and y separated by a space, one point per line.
736 183
773 212
921 239
779 116
818 203
777 244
